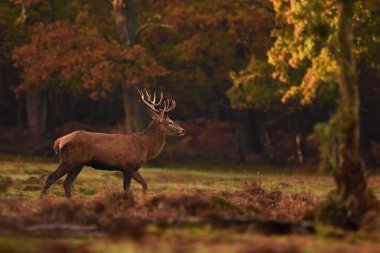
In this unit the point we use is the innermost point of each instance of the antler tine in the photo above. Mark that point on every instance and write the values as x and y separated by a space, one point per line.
140 93
169 107
148 103
160 101
165 106
161 98
154 98
147 94
173 105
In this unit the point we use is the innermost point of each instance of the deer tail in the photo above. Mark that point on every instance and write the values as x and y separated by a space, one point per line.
56 146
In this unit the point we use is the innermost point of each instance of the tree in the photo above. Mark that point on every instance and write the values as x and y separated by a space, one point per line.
350 179
36 98
126 15
198 49
79 55
10 36
303 58
314 48
208 39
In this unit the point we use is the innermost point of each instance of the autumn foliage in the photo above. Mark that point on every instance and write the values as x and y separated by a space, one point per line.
62 51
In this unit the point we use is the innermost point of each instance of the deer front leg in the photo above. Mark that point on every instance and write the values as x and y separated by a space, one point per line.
136 176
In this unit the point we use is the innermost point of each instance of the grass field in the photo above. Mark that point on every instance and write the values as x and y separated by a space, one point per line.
200 207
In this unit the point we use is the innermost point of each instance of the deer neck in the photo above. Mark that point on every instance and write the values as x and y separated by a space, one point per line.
155 140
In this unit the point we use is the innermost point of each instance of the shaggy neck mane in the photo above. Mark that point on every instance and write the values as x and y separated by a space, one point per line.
156 139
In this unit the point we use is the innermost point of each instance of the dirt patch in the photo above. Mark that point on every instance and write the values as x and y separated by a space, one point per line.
5 183
64 248
272 204
63 211
59 217
33 183
35 180
32 188
8 224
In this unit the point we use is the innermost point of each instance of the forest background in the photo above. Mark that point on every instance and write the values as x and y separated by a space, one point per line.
251 78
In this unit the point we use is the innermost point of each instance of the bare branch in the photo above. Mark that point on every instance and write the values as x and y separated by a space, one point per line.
21 20
150 23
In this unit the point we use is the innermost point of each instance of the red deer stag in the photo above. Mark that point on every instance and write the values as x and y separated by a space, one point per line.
119 152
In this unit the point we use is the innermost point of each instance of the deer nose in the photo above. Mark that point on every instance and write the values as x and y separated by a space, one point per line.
182 132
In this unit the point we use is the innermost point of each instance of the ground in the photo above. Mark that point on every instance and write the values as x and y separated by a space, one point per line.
197 207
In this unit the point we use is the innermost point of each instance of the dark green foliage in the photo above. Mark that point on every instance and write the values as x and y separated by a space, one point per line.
327 136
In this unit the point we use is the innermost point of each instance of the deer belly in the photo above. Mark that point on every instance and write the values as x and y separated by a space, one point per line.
103 166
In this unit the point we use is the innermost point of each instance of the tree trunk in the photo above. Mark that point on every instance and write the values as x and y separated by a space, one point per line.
126 17
247 133
349 175
36 107
136 119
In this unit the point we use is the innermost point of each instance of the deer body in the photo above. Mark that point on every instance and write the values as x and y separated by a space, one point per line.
111 150
119 152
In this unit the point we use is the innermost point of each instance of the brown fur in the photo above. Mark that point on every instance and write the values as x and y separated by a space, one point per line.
121 152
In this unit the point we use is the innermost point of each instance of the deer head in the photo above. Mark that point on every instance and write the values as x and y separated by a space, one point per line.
158 112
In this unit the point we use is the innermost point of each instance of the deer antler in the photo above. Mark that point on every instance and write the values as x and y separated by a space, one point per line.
150 101
169 107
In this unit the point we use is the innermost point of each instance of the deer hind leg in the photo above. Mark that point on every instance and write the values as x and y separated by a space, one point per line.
127 180
70 178
136 176
57 174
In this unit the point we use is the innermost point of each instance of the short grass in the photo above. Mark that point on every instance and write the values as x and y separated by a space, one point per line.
27 175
